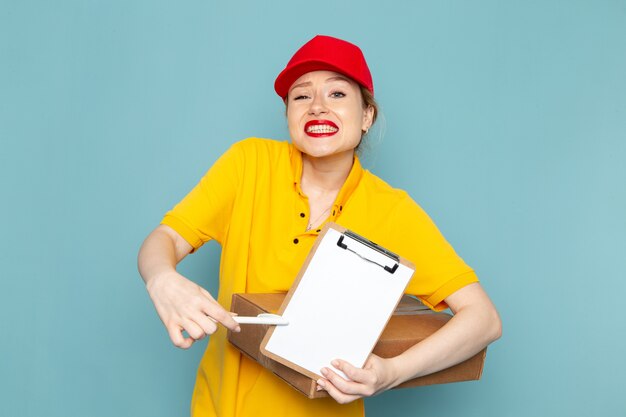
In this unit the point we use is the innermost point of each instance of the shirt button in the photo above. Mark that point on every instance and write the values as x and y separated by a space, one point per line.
302 214
295 241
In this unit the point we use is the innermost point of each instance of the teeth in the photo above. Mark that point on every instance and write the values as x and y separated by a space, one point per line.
321 129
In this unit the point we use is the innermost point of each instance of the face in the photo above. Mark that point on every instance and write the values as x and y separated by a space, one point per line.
325 114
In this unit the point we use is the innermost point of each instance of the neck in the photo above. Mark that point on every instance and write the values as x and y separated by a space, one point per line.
325 175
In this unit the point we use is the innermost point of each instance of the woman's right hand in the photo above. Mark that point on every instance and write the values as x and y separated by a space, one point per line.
183 305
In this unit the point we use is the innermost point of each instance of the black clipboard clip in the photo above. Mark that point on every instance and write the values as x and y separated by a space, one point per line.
371 245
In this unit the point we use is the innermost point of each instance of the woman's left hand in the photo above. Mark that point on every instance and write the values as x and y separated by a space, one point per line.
376 376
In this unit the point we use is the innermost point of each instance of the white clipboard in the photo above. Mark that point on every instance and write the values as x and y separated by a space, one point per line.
340 303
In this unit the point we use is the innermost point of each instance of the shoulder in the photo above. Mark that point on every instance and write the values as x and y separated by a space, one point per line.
255 151
376 187
377 202
254 145
256 159
390 202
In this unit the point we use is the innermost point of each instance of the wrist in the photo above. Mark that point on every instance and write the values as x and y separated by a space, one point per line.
157 280
399 371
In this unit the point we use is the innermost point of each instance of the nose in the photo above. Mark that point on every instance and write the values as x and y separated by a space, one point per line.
318 105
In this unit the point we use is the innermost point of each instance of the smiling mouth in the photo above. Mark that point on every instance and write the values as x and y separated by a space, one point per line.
319 128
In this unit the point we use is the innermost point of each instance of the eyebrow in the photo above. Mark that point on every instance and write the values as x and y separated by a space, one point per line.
309 83
337 78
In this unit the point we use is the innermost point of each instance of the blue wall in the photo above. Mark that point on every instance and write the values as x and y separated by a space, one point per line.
505 120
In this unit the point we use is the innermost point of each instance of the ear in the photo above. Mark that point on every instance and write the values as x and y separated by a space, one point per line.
368 117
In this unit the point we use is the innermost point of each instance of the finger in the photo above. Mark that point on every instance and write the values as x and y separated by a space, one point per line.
207 294
342 384
352 372
214 310
177 338
208 325
338 395
219 314
193 329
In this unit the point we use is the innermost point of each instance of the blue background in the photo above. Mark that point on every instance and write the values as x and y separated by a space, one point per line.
505 120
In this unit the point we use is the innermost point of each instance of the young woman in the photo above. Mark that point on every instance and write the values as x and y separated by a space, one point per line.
265 201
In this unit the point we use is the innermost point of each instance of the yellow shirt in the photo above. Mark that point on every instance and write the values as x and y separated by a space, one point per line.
251 202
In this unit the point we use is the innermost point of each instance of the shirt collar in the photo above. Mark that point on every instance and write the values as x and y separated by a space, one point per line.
346 190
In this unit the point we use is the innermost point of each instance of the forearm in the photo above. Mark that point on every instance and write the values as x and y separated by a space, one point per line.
182 305
159 255
470 330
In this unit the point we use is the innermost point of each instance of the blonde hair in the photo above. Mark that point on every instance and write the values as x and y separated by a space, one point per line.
369 100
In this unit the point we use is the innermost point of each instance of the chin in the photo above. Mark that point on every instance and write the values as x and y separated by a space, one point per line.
322 147
316 153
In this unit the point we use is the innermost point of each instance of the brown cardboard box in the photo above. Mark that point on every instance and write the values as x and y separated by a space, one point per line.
410 324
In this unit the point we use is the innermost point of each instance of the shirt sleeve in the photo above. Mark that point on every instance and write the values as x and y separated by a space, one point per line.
205 213
439 271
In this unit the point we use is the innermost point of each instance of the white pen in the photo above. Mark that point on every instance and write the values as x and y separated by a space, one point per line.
263 318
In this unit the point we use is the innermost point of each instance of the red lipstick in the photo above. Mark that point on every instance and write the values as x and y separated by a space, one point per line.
320 128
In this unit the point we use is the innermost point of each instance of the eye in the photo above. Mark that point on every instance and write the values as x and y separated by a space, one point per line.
337 94
300 97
